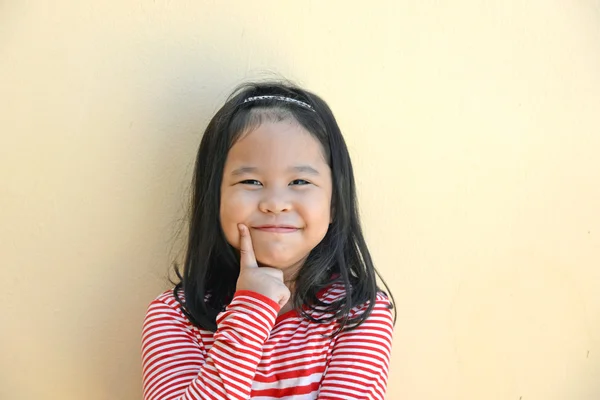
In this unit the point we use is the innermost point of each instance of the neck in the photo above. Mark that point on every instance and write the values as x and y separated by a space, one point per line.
290 283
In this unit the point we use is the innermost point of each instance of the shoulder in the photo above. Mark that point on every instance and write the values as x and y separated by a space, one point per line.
382 308
381 317
165 307
166 299
382 302
337 291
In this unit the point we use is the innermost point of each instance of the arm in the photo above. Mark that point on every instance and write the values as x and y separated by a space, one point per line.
360 360
176 366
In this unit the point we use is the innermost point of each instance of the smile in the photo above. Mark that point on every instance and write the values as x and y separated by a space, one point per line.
276 228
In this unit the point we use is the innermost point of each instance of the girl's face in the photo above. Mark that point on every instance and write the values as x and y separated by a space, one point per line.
277 182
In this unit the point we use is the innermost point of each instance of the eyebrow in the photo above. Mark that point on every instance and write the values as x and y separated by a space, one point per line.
243 170
298 168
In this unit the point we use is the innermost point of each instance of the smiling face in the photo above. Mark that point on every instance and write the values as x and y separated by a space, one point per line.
277 182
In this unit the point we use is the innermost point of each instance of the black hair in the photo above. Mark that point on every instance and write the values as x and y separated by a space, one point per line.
211 264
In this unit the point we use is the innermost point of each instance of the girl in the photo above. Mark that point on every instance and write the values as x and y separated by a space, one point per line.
278 298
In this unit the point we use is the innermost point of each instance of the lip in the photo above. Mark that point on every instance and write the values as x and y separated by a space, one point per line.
277 228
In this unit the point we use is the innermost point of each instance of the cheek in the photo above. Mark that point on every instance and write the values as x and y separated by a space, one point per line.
317 211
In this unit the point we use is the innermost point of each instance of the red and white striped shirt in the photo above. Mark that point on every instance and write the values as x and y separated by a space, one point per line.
255 354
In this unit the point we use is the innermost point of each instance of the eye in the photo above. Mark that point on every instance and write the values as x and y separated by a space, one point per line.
251 182
299 182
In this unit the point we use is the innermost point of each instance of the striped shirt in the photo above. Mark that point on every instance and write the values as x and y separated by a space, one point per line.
256 354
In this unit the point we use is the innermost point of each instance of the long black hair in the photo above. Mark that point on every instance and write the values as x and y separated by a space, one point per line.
211 265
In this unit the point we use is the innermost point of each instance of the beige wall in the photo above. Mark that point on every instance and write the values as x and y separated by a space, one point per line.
475 131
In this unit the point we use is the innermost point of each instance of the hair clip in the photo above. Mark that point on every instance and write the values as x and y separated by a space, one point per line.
280 98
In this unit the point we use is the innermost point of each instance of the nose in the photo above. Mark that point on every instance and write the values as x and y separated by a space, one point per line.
275 201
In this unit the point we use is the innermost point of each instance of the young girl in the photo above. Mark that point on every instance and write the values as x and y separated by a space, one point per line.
278 298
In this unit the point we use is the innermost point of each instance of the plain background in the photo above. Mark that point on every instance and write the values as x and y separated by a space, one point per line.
474 127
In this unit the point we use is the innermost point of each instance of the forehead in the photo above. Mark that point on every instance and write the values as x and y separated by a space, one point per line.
281 143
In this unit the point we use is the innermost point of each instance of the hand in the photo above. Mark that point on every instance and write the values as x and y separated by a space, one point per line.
264 280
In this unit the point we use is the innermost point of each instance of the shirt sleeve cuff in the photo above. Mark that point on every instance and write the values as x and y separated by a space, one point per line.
261 297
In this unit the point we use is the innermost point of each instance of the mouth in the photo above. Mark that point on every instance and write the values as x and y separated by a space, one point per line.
277 228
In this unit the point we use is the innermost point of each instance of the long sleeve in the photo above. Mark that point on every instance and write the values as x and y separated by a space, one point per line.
176 365
359 364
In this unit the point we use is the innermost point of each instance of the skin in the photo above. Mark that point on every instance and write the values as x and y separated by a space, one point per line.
275 204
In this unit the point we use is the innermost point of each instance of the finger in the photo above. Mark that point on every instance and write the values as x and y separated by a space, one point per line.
285 297
273 273
247 257
283 300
